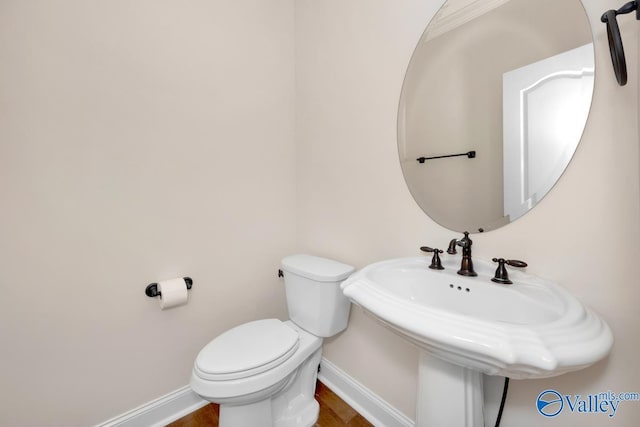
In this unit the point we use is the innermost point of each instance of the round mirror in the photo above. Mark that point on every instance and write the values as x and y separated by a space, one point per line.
493 105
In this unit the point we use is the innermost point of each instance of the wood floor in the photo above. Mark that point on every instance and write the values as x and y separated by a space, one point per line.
334 412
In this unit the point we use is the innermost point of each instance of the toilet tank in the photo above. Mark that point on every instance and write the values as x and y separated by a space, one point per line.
314 298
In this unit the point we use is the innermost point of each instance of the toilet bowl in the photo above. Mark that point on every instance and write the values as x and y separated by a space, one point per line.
263 373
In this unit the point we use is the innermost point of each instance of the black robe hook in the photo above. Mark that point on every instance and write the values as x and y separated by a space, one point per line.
615 40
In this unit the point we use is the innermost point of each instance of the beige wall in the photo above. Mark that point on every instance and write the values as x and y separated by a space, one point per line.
139 141
354 205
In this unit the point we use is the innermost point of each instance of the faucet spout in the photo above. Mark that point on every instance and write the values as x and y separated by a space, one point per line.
452 247
466 266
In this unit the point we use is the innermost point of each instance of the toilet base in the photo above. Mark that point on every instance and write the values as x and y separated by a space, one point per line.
253 414
293 406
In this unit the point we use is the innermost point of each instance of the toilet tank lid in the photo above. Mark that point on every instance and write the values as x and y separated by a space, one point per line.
316 268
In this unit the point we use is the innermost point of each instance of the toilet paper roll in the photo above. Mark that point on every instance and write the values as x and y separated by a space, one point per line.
173 293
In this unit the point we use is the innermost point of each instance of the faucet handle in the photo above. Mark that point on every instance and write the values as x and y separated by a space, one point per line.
501 275
516 263
465 242
436 264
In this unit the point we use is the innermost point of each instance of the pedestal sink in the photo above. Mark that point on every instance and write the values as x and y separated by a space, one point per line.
469 326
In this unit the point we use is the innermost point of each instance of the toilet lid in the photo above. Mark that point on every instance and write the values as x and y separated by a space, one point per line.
248 349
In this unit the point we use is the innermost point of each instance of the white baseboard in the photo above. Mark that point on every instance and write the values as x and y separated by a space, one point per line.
368 404
177 404
161 411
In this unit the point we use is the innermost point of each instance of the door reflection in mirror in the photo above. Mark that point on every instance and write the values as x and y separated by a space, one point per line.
545 107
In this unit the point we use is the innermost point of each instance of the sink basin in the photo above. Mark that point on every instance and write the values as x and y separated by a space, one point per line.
530 329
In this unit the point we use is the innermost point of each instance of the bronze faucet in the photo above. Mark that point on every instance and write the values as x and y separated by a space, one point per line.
436 263
466 267
451 250
502 276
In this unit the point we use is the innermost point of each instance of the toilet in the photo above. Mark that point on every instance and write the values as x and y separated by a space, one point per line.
263 373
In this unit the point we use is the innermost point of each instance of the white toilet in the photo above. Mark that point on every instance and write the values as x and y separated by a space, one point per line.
263 373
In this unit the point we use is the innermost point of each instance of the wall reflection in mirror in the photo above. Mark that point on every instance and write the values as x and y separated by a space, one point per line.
511 80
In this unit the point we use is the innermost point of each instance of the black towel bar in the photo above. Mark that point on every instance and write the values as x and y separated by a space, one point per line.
470 154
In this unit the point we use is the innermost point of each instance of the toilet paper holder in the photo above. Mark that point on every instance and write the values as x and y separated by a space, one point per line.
152 288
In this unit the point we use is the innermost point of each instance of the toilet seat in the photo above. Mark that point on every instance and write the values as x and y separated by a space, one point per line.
246 350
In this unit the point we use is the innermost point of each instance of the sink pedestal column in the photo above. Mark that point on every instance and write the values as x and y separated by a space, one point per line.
448 394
